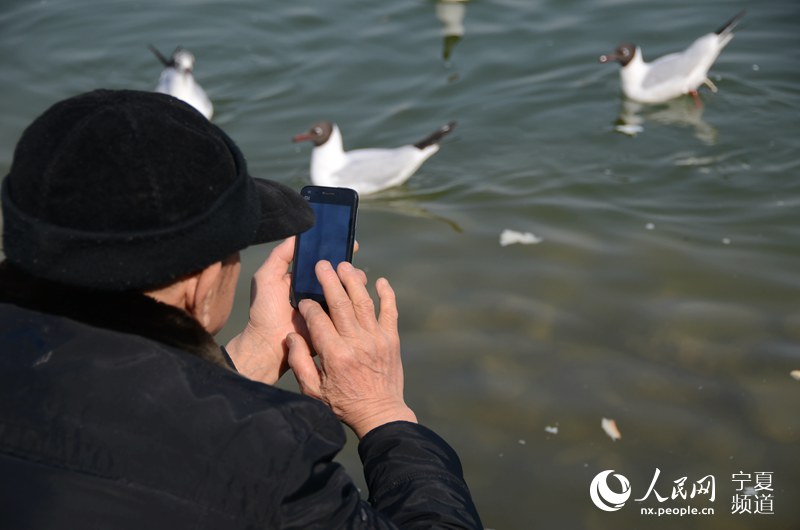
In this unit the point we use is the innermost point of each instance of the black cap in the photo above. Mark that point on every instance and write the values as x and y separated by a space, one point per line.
127 190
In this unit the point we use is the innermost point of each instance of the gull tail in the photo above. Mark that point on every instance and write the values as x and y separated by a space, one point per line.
436 136
727 27
159 55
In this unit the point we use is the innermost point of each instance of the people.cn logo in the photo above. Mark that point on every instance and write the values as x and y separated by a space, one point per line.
604 497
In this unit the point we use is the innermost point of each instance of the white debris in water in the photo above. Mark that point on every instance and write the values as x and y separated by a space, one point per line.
795 374
610 427
696 161
650 226
629 129
756 68
726 241
510 237
522 442
551 429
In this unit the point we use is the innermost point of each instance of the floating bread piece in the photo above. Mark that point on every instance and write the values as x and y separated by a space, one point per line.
510 237
610 426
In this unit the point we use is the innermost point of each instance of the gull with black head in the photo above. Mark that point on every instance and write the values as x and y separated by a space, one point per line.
365 170
177 80
672 75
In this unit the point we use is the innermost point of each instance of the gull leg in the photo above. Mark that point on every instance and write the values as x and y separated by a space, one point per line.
710 85
697 102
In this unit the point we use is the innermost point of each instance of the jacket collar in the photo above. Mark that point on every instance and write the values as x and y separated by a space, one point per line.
126 312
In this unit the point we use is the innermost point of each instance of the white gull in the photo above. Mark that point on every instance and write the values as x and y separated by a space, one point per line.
672 75
365 170
177 80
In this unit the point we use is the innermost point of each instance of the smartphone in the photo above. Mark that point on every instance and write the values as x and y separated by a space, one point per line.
331 238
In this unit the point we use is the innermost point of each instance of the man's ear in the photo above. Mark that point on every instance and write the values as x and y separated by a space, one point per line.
201 292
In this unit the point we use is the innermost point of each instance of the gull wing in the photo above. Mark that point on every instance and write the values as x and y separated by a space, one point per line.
371 170
688 67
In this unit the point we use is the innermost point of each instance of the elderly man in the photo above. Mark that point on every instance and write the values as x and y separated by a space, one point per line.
123 216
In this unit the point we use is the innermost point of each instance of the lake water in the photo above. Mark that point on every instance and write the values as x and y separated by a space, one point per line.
663 293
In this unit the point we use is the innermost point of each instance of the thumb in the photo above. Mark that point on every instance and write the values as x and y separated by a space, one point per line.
303 366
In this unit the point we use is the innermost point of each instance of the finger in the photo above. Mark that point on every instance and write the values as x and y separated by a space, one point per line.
362 276
387 318
355 246
303 366
275 268
278 261
321 330
354 284
340 306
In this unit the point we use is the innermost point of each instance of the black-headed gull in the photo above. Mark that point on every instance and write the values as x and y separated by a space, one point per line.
672 75
365 170
177 80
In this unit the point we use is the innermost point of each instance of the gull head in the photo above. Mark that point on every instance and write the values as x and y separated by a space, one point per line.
623 54
183 60
318 134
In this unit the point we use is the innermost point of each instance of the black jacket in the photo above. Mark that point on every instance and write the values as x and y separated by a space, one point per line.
118 412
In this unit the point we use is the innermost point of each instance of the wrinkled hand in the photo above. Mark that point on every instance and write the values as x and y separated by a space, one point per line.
260 350
360 374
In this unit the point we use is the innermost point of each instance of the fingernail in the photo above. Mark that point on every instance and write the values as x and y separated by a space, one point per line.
325 265
346 266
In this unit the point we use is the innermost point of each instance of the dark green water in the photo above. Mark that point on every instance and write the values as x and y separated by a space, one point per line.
664 292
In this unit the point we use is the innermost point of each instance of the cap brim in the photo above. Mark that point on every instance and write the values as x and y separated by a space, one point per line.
284 212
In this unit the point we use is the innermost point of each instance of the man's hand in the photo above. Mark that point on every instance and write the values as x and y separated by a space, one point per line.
260 351
360 374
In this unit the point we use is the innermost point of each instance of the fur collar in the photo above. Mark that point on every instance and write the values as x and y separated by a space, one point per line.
126 312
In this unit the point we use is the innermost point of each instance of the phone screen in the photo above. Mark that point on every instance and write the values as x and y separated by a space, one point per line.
331 238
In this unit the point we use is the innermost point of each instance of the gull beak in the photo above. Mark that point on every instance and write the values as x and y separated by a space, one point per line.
608 58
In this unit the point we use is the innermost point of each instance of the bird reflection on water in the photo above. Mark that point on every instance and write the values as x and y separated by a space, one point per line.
451 14
680 112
